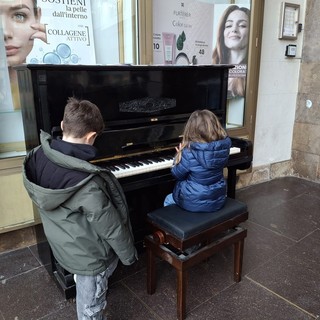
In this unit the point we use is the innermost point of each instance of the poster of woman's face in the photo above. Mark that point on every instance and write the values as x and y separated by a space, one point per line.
20 26
236 31
20 20
231 36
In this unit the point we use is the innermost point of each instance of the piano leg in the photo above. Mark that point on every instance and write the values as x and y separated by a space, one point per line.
231 182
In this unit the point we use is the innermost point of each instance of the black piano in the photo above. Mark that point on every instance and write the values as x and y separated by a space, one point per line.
145 109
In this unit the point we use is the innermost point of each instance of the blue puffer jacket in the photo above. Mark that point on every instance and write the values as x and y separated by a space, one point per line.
200 185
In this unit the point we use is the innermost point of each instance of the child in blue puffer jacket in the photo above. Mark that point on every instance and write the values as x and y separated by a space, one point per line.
199 163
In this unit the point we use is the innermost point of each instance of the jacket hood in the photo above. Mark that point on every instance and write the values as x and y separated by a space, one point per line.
50 199
68 162
211 154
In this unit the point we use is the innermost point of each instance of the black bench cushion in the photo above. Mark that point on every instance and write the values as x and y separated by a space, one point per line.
185 224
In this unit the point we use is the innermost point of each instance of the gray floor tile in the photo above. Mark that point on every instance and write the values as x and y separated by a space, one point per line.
69 312
30 295
16 262
295 218
294 274
123 305
248 301
261 245
280 278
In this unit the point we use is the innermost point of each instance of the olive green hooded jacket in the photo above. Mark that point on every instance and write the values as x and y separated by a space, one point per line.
86 225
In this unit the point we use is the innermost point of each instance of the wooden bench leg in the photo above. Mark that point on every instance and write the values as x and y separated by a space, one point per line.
151 272
181 294
238 256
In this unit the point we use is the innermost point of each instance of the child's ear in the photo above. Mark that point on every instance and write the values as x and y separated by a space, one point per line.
90 137
61 125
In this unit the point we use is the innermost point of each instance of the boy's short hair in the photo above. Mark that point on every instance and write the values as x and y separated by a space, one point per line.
81 117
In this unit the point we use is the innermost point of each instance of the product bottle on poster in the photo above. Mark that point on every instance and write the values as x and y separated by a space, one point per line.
169 47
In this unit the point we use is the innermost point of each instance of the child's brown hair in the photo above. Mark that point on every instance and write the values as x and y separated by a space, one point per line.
81 117
202 126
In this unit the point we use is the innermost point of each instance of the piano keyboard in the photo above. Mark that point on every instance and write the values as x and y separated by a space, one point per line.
148 165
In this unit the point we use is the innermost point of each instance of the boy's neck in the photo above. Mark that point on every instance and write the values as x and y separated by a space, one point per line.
89 138
75 140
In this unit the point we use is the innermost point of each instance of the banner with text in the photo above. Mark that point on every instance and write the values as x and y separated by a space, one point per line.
69 34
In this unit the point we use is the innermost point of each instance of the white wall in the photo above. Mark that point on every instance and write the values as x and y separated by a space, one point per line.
278 88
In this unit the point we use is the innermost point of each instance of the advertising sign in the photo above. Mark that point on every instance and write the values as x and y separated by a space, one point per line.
182 32
69 33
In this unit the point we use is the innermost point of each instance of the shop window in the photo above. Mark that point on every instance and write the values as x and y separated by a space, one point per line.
131 32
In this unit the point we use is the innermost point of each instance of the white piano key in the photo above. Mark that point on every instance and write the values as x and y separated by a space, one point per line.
234 150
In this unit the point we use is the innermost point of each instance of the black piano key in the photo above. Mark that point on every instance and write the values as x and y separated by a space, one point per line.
145 161
132 164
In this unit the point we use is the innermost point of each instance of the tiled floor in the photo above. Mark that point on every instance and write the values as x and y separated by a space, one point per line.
281 271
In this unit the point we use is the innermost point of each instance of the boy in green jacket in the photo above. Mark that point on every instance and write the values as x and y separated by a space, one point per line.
82 206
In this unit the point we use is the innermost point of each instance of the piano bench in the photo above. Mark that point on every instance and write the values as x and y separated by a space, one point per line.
175 230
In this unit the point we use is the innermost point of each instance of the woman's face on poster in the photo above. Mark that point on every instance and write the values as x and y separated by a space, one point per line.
17 16
236 30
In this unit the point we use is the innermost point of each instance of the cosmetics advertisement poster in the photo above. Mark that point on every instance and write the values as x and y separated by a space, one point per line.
237 58
184 36
69 34
230 46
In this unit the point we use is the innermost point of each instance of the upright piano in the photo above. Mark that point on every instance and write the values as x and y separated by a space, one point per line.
145 109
